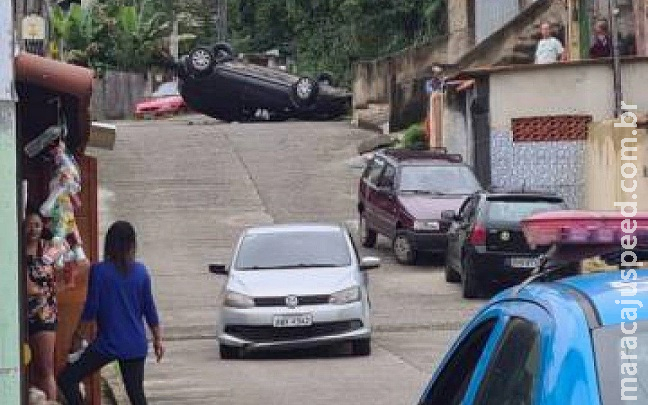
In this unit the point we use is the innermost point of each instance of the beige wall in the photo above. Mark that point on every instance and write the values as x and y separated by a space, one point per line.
603 171
564 89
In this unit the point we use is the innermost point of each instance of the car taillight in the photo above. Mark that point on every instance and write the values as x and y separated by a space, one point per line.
478 235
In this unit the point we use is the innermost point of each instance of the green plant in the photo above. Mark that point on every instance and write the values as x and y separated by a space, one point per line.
111 34
414 136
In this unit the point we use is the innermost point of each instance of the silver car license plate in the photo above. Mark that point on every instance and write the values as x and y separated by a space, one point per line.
525 262
292 321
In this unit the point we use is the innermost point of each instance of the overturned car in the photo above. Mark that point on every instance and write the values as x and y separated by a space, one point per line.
217 84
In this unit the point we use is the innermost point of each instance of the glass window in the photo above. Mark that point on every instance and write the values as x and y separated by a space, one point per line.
452 383
441 179
389 176
609 344
517 210
167 89
293 250
510 379
375 170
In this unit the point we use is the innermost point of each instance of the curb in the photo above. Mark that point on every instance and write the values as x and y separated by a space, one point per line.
113 385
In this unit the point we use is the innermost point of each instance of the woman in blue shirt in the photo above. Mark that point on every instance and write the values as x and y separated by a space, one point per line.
119 299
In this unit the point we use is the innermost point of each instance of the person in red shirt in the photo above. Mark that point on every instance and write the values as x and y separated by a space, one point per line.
602 47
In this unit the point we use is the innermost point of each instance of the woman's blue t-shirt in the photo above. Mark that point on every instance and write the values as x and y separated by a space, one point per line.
119 303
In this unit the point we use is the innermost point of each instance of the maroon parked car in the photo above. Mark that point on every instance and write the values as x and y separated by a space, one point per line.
402 194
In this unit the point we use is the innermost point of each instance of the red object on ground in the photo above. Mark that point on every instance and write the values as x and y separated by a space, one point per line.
160 106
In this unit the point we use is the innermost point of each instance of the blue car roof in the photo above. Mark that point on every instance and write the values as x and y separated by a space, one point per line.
597 294
607 292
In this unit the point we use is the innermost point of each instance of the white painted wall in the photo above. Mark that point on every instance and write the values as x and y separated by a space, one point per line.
563 89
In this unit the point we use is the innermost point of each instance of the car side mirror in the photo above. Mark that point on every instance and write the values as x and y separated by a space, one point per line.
218 269
449 216
368 263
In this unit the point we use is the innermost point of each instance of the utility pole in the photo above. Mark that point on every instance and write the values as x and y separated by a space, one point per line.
618 96
11 370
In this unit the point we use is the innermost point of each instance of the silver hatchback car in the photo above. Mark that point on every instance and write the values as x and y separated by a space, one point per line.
295 286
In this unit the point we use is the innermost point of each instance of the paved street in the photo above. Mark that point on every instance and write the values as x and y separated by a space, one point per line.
191 189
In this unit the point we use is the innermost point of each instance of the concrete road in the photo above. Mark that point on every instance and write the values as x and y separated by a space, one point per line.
191 186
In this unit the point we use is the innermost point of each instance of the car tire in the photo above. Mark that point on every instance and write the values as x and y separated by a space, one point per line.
229 352
403 250
361 347
305 91
200 61
326 79
368 237
469 284
451 275
223 50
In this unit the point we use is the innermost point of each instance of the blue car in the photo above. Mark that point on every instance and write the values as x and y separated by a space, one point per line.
578 341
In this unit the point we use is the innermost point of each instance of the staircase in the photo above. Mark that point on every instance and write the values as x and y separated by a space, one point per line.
523 52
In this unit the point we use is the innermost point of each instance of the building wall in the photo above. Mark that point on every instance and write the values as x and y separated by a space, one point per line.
548 166
603 167
491 16
563 89
557 166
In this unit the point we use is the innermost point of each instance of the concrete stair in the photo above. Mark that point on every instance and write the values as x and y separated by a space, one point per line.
375 117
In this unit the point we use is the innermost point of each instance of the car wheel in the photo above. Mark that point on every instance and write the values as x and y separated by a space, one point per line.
325 79
200 61
223 50
305 91
403 250
368 236
361 347
451 275
469 284
229 352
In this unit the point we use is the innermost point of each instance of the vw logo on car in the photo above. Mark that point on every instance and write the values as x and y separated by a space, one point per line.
292 301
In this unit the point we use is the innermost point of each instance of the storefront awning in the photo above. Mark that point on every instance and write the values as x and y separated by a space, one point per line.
51 76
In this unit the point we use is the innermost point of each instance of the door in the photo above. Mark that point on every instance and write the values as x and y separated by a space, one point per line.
368 190
458 232
451 383
514 373
385 202
71 301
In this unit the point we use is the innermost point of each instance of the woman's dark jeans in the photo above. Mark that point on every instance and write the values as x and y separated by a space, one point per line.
91 361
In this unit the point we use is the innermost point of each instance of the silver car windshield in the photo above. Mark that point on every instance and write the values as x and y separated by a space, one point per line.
292 250
609 343
441 179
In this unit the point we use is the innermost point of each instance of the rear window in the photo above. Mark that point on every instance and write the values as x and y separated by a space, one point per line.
610 344
441 179
293 250
516 210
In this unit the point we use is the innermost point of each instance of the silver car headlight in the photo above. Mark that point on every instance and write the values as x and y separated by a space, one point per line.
420 225
237 300
346 296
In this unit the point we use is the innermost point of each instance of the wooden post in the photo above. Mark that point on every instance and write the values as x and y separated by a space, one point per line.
573 30
640 7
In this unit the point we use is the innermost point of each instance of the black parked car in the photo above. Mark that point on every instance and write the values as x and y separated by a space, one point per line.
215 83
486 245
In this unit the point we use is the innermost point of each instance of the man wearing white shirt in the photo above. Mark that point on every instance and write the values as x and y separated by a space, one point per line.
549 49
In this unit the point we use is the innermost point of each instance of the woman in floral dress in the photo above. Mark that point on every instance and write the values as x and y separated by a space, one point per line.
42 316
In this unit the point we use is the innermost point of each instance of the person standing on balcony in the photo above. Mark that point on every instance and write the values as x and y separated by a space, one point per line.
602 47
549 49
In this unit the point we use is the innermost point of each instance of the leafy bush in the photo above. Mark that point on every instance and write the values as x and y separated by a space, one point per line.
414 137
111 35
